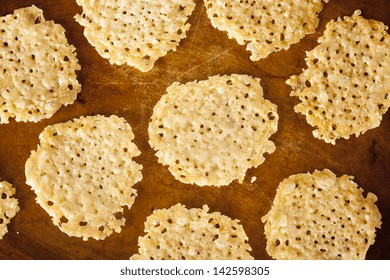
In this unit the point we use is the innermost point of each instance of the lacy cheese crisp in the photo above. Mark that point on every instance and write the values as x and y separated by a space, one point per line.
9 206
179 233
136 32
321 216
83 172
37 67
345 88
211 132
266 26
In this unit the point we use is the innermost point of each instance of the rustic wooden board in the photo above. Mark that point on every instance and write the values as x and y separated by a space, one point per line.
127 92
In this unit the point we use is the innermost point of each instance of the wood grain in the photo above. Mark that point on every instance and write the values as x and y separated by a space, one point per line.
127 92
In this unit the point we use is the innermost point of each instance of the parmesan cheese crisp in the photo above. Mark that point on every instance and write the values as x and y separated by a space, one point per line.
266 26
211 132
37 67
321 216
83 172
135 32
345 89
8 206
179 233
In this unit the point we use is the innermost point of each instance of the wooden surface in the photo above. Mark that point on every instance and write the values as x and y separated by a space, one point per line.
127 92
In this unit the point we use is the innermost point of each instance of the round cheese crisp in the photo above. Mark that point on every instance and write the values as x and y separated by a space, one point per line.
320 216
135 32
83 172
37 67
345 89
179 233
211 132
8 206
266 26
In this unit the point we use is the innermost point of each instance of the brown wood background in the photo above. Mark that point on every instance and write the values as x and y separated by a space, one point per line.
127 92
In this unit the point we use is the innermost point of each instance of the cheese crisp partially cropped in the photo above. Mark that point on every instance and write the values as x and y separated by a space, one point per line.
83 172
179 233
321 216
345 89
211 132
8 206
37 67
136 32
266 26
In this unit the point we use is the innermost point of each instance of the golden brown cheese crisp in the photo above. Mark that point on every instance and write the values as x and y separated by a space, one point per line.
9 206
345 89
37 67
179 233
136 32
83 172
321 216
266 26
211 132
